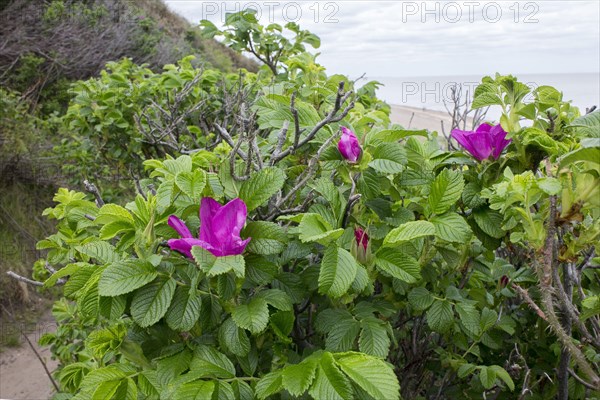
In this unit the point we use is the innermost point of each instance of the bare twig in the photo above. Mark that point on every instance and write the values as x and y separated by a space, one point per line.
91 188
23 279
525 295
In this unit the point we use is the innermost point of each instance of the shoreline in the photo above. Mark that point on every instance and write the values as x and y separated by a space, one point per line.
420 118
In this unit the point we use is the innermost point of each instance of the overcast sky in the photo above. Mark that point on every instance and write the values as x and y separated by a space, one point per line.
416 38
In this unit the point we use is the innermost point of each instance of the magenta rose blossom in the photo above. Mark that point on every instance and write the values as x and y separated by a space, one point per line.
349 146
362 239
220 228
485 141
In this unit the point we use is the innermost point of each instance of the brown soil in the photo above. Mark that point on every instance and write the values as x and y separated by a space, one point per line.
22 376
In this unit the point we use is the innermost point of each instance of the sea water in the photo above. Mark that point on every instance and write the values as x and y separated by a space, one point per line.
434 92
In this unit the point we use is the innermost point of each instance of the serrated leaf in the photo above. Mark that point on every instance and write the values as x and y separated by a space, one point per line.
125 276
234 338
398 265
184 310
374 376
487 377
490 222
253 316
267 237
338 270
314 228
297 378
212 363
420 298
388 158
504 376
191 183
469 318
261 186
113 213
330 383
465 370
151 302
269 384
198 390
342 335
101 251
409 231
374 339
440 316
282 323
445 191
276 298
451 227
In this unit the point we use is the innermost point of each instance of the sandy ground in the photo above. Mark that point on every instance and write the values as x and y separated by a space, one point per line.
22 376
419 118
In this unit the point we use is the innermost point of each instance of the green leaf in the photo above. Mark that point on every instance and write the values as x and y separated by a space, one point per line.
212 363
588 125
261 186
445 191
440 316
185 309
330 383
469 318
504 376
253 316
151 302
114 213
342 335
269 384
589 154
408 231
465 370
374 339
388 158
490 222
374 376
420 298
485 99
198 390
101 251
398 265
267 237
276 298
487 376
191 183
282 323
234 338
125 276
338 270
452 227
214 266
297 378
314 228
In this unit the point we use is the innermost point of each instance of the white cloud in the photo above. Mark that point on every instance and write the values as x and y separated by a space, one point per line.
400 38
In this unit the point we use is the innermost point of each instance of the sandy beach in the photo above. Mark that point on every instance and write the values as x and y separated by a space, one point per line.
420 118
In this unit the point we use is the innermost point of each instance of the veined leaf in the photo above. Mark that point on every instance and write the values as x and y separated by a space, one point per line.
445 190
197 390
212 362
267 237
125 276
253 316
330 383
191 183
261 186
338 270
151 302
440 316
314 228
420 298
451 227
185 309
398 265
269 384
408 231
374 376
297 378
374 339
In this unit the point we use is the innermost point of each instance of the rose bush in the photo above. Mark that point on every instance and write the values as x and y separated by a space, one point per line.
375 265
